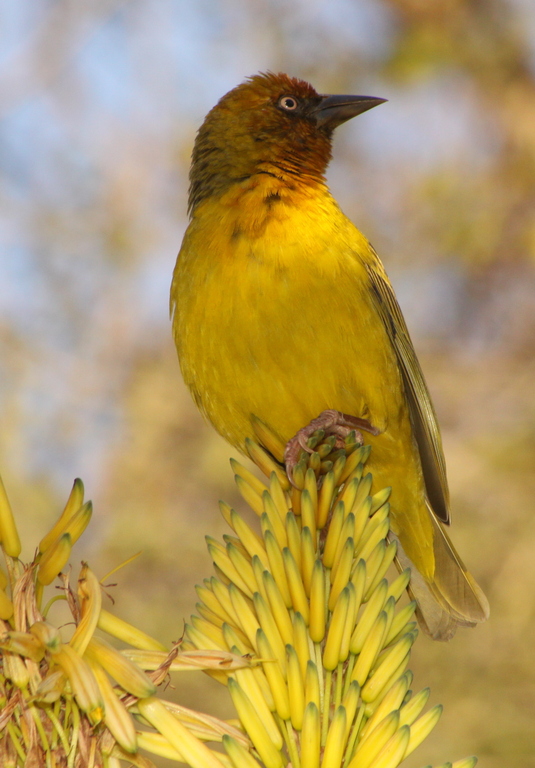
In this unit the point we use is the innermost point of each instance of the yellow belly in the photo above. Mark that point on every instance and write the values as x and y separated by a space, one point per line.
277 320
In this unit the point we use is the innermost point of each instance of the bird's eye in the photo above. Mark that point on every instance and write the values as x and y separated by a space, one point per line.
289 103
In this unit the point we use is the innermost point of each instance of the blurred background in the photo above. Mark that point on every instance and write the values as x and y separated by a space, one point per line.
99 106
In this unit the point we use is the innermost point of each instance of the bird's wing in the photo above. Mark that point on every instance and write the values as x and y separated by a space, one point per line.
423 417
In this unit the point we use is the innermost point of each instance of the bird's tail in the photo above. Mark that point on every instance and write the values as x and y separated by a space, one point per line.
452 598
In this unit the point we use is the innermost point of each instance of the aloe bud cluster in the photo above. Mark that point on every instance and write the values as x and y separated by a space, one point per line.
80 701
308 594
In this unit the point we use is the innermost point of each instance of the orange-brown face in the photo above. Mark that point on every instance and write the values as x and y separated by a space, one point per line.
269 124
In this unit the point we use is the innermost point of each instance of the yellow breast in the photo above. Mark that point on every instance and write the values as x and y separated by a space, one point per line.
273 314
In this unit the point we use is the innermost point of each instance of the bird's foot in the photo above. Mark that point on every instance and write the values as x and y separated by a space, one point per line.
331 422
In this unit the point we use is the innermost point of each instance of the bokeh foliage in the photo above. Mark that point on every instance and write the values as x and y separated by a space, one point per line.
99 107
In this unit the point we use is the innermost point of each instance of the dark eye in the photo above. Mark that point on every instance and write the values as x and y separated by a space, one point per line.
289 103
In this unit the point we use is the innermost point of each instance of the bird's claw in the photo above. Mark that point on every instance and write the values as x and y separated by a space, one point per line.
328 423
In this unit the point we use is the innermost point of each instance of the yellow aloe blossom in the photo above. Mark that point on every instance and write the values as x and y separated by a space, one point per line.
307 594
71 703
300 621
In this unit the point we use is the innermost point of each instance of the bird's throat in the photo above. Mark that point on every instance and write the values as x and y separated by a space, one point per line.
271 196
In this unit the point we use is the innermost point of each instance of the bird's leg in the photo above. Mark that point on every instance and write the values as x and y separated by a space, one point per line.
333 423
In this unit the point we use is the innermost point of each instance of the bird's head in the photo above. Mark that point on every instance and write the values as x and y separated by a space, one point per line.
271 123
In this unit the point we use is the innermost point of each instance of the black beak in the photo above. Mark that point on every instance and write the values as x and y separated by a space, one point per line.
332 111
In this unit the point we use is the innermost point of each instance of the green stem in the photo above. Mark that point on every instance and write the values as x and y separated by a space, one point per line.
58 730
319 667
351 742
50 602
349 672
326 709
40 728
11 728
293 749
75 731
339 685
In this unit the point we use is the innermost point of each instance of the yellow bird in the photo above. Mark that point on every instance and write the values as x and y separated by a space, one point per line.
282 310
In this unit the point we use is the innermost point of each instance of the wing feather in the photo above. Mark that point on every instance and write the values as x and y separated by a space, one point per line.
422 413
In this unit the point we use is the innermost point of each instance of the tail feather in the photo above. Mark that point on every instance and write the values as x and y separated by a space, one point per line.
452 598
453 586
432 618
